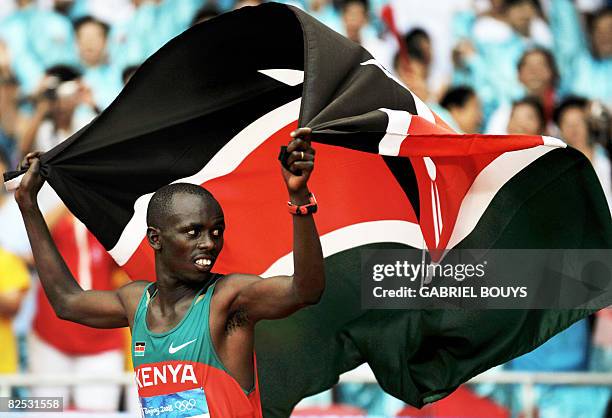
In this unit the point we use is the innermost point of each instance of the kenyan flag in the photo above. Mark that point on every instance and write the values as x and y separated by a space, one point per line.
214 105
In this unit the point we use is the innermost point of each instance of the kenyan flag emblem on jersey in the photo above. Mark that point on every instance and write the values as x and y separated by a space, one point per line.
139 349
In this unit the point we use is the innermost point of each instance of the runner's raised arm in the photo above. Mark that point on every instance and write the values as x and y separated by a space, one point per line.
100 309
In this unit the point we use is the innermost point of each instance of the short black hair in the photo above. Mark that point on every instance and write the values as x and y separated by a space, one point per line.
63 72
90 19
550 60
536 104
568 103
603 12
159 204
591 21
414 47
364 3
506 4
457 96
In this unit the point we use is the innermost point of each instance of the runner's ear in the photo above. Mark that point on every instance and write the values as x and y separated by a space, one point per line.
154 238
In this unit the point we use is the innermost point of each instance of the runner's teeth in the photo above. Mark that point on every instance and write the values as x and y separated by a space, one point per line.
203 262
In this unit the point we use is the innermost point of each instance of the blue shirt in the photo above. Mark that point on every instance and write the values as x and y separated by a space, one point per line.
492 71
37 40
581 73
105 83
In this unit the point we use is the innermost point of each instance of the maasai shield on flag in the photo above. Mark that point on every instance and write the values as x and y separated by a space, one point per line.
212 108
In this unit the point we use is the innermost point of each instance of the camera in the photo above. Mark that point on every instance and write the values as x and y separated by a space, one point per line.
56 89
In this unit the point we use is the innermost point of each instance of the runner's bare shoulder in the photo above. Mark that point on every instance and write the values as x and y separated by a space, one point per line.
231 284
130 295
228 287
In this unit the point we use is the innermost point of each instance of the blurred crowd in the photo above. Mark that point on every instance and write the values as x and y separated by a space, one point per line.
541 67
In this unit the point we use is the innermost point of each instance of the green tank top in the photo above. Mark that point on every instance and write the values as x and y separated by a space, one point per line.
178 372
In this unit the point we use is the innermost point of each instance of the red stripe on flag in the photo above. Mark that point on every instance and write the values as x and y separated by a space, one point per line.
445 145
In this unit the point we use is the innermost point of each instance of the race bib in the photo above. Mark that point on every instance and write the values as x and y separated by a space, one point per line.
186 404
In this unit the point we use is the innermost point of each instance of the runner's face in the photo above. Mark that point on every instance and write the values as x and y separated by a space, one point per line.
192 236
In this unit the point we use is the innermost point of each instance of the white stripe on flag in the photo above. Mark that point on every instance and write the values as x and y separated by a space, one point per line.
223 162
487 184
356 235
397 129
549 141
286 76
439 209
434 214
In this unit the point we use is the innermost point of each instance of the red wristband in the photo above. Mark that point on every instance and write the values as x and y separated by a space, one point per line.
302 210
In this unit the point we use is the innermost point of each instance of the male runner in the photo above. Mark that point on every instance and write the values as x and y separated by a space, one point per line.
193 330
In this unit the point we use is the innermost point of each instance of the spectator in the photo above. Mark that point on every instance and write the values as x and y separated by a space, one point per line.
538 77
500 41
585 67
63 106
464 107
438 18
356 27
527 117
14 283
514 17
601 34
572 119
354 18
58 346
413 70
91 41
103 78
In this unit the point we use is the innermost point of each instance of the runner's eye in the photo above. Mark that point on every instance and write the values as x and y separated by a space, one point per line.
192 232
216 232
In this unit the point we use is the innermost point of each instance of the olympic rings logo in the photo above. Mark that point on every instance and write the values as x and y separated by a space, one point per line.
185 405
